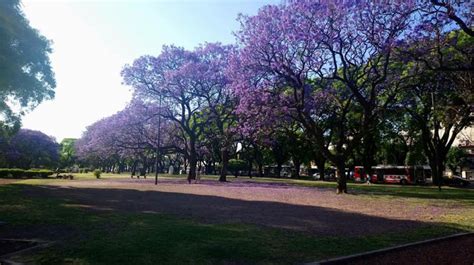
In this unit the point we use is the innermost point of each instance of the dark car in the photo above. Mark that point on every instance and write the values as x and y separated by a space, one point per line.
455 181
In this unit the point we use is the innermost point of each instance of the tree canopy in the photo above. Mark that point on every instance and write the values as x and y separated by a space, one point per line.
26 75
339 82
29 149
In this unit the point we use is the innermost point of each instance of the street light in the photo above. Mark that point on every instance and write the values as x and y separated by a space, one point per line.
158 144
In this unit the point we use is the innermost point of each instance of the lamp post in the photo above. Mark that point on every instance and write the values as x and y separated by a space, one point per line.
158 143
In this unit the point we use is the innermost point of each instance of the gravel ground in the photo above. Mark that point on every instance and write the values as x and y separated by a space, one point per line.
315 210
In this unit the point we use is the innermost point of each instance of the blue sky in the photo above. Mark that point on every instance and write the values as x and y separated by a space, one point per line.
92 40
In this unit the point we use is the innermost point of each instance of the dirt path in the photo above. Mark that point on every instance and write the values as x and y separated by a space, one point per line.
314 210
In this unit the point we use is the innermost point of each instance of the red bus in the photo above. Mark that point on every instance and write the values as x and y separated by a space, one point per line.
359 174
395 174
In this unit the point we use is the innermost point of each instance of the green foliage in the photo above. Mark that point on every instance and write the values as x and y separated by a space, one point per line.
455 158
11 173
438 95
21 173
67 152
84 170
415 156
236 165
97 173
41 173
26 76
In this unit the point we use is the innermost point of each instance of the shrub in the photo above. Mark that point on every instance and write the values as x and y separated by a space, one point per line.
21 173
97 173
236 165
11 173
40 173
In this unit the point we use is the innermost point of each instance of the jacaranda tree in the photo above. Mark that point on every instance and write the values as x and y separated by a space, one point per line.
298 50
190 87
32 149
307 78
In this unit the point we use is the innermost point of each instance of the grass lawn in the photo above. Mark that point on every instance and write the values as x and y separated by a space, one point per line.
111 237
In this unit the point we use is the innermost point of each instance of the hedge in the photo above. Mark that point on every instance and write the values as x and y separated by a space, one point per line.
22 173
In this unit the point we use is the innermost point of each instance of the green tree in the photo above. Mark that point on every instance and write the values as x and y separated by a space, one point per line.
67 152
455 158
236 165
26 77
439 96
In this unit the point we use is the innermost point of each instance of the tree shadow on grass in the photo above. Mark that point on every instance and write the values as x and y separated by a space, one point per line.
213 209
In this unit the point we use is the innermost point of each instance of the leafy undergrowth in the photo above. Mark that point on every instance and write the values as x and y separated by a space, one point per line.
98 237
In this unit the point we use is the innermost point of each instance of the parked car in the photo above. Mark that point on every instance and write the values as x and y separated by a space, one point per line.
455 181
316 176
328 175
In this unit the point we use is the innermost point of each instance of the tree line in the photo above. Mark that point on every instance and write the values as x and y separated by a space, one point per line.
339 83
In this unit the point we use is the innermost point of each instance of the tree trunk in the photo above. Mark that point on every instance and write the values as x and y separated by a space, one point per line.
192 160
341 177
225 162
278 170
134 168
260 170
249 169
192 169
437 168
441 168
120 167
321 163
297 165
369 146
